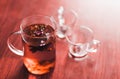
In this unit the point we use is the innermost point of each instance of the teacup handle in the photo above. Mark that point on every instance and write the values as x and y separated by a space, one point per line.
93 46
12 47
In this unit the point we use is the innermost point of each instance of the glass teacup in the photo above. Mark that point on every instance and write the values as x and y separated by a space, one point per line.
81 42
65 19
38 38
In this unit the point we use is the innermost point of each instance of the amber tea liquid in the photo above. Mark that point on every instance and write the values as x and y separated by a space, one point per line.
39 48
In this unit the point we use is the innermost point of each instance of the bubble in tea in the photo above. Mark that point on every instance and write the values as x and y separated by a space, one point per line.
39 48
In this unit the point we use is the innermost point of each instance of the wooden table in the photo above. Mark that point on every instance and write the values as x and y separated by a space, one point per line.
102 16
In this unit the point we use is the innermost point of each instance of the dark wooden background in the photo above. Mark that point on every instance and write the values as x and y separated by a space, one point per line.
103 16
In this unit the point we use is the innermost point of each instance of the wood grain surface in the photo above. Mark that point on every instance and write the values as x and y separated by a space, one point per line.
101 16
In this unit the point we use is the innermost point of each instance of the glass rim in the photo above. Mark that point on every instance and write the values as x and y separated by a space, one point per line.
32 16
71 41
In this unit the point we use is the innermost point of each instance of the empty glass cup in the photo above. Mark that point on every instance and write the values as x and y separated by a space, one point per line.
81 42
65 19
